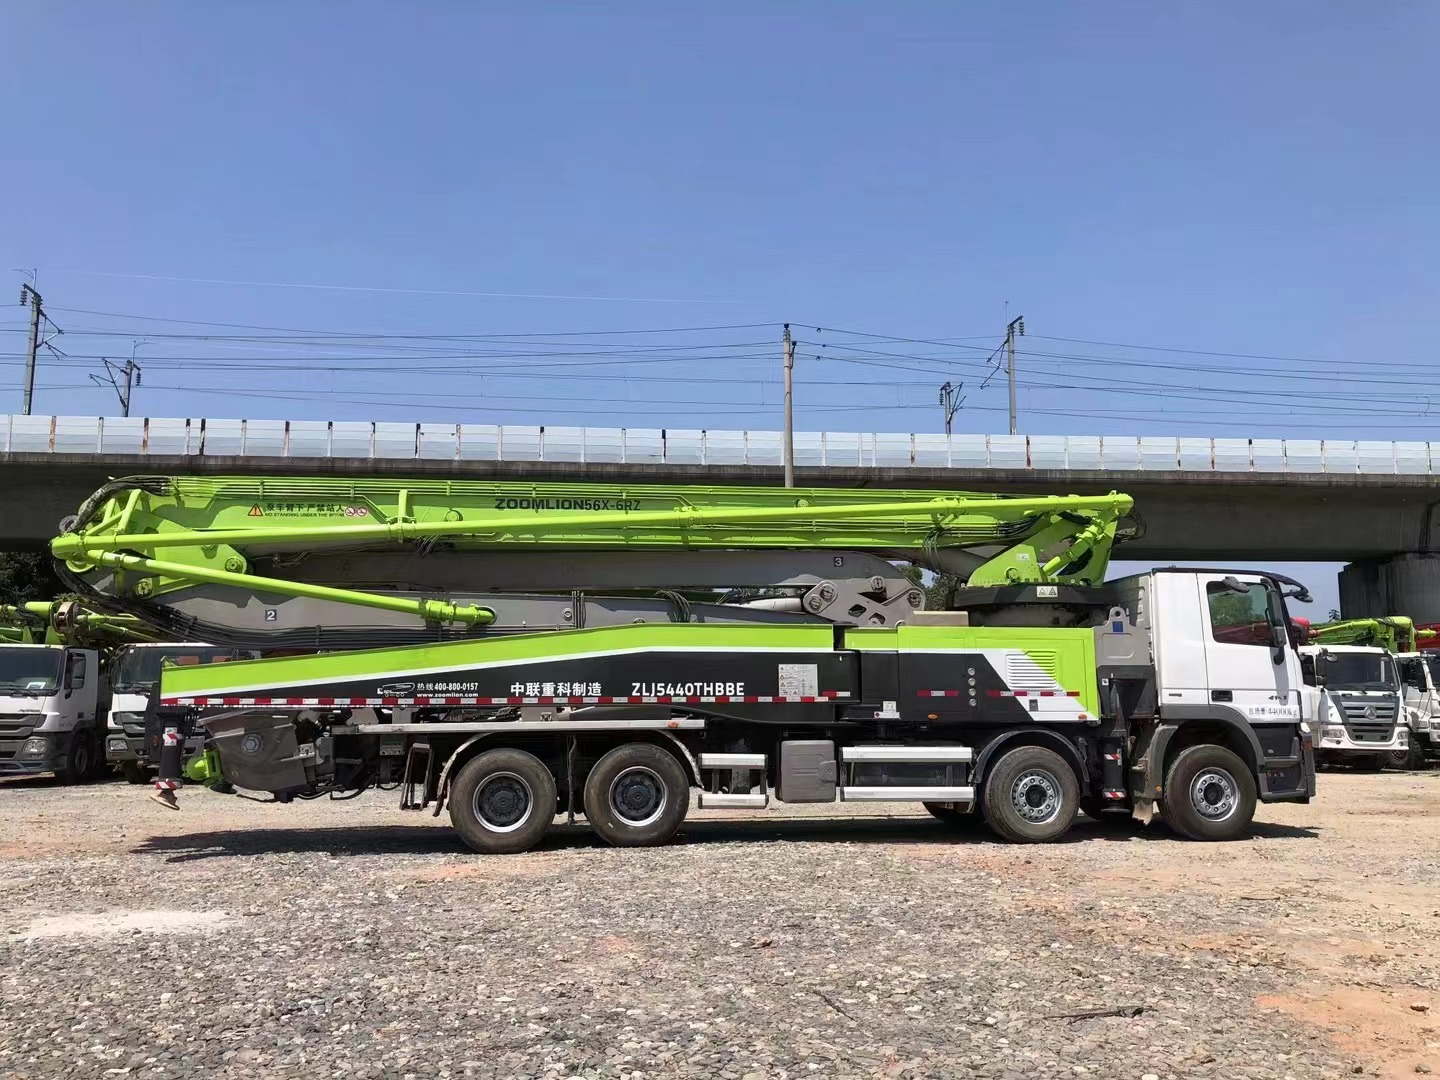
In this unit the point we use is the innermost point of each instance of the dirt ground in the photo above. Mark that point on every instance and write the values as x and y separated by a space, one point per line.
236 938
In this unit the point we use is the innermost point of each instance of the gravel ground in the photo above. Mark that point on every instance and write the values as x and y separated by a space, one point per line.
236 939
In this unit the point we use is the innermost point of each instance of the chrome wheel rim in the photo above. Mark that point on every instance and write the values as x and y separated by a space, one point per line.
638 796
1036 797
503 802
1214 794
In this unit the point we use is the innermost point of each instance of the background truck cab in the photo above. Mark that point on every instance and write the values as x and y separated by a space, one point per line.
51 701
1359 705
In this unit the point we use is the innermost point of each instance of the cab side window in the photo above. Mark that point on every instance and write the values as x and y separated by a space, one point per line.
1239 618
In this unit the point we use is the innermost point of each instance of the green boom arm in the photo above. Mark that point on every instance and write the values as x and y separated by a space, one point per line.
69 622
1395 633
145 536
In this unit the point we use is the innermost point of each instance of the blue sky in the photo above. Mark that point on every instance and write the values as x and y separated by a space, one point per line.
1245 179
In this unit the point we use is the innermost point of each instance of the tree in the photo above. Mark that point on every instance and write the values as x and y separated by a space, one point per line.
27 575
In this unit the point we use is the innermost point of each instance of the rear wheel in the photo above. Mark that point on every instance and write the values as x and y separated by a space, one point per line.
134 772
636 796
502 802
951 814
1209 794
1031 795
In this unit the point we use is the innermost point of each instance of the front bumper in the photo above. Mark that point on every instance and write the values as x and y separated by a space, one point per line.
1335 741
17 760
122 746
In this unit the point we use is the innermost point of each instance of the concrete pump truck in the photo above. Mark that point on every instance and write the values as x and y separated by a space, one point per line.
518 651
1378 701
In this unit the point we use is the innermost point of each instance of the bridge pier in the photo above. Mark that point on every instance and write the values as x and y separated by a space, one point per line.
1400 585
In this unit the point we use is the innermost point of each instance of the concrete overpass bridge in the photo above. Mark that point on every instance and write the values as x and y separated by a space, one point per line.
1226 501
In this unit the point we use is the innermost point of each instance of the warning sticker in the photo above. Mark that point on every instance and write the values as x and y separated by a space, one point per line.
308 509
799 680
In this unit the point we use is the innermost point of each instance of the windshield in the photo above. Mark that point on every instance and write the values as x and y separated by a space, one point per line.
1355 671
139 669
29 669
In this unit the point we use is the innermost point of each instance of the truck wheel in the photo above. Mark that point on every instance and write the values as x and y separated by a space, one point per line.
950 814
1031 795
79 764
134 772
502 802
1209 794
1105 812
1412 757
636 796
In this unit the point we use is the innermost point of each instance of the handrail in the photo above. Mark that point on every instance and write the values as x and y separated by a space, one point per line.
424 440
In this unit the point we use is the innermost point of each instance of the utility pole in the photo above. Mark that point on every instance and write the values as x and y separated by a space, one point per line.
1016 328
950 402
114 373
37 314
788 344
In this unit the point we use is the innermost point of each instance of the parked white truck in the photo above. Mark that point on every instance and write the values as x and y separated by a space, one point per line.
1358 705
134 674
51 700
1420 676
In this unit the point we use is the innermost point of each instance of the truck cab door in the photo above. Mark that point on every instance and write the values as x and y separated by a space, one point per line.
1250 663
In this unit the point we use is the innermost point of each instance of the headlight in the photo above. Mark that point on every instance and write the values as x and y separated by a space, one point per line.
1404 737
117 743
35 746
1304 727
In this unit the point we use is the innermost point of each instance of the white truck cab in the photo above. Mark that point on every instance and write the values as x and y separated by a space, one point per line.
1359 710
51 701
134 674
1419 675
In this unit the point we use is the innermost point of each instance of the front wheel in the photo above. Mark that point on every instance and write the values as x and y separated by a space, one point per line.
636 796
134 772
1209 794
80 762
1031 795
1412 757
502 802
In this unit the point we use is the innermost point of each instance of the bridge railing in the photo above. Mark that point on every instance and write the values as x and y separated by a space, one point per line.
395 441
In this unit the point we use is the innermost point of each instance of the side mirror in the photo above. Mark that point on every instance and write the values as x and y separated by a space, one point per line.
1279 637
75 672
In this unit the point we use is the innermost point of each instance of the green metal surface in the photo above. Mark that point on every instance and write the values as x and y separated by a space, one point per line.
160 534
1395 633
70 622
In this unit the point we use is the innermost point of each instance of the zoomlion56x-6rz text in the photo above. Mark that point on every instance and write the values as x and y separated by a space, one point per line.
521 651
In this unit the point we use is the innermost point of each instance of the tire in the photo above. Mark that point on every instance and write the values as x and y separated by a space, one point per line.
502 801
636 796
949 814
1031 796
1412 757
1095 808
134 772
1209 794
80 763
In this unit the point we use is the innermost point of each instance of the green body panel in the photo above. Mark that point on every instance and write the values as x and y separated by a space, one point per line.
1066 653
205 679
161 534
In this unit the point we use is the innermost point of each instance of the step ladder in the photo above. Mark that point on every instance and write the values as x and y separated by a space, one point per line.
717 800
